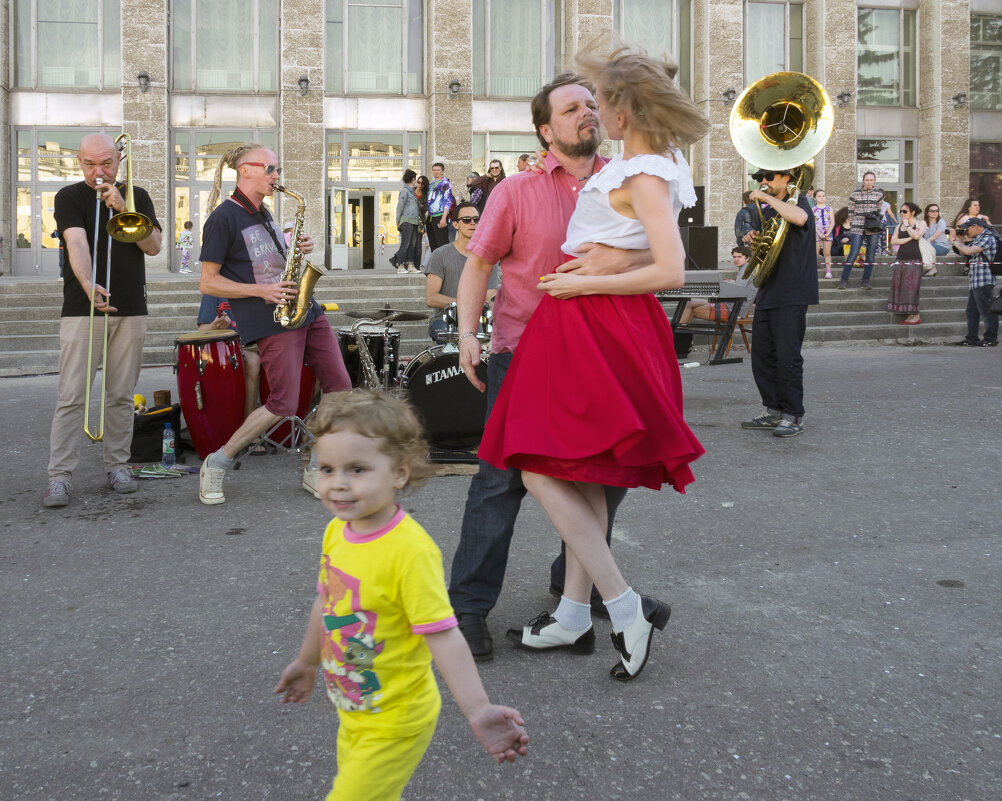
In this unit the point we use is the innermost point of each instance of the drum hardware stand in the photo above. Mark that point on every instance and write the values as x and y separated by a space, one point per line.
444 456
299 436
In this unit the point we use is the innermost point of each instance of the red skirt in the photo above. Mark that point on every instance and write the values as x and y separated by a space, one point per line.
594 394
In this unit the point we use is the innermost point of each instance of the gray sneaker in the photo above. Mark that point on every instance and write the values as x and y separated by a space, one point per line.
58 493
787 428
121 481
210 483
764 422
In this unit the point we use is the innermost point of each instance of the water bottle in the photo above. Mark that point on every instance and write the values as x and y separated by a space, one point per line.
168 457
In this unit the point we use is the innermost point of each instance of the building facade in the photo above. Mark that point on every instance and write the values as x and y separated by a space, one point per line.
350 93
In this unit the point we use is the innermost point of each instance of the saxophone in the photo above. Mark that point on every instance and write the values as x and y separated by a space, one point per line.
298 269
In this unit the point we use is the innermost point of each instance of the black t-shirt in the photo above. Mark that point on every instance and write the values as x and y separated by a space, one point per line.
74 208
237 236
794 281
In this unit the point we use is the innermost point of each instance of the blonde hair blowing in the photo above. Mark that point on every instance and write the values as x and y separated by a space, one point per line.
644 87
231 158
373 414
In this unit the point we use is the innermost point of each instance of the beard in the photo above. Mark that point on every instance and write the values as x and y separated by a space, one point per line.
587 146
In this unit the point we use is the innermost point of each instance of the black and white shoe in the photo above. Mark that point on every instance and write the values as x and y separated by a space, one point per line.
634 642
544 633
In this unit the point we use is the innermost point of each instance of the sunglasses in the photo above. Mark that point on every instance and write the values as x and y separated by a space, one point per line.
269 169
934 210
767 176
495 169
468 220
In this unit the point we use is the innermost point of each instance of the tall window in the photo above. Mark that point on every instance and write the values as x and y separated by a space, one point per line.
774 38
885 57
196 155
374 48
986 177
225 45
659 27
506 148
76 43
514 46
986 63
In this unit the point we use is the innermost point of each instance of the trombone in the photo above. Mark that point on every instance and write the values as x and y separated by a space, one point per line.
128 226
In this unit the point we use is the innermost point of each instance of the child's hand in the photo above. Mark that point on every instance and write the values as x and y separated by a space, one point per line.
501 730
297 682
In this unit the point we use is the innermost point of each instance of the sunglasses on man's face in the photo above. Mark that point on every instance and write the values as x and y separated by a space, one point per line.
269 169
468 220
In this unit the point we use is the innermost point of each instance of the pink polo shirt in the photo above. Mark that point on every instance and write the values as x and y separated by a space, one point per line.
524 225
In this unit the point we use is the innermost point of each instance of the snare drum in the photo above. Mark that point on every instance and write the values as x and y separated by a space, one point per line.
210 386
307 392
452 409
384 346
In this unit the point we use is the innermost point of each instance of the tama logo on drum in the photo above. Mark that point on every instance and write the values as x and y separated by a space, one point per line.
442 375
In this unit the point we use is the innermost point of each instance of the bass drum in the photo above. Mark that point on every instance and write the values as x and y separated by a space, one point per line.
383 344
210 386
452 409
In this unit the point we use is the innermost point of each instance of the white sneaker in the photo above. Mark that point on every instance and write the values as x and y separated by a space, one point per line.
310 477
544 633
412 269
184 272
401 270
210 483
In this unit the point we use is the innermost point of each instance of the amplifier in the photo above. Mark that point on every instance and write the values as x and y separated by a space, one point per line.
700 243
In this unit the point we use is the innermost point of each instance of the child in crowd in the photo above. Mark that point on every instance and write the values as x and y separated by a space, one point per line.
382 611
824 222
185 242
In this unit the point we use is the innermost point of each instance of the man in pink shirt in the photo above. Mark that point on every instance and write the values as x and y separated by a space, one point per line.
524 225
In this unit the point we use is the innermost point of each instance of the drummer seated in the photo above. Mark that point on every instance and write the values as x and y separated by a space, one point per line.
212 316
717 312
445 268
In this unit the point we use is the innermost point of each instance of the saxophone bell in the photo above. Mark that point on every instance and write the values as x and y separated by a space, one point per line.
298 270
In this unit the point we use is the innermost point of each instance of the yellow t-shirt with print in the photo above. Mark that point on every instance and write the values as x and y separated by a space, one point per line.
380 593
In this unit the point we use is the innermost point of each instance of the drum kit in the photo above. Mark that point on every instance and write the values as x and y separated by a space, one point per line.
210 379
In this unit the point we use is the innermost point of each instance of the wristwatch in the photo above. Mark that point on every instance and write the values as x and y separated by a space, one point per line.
466 334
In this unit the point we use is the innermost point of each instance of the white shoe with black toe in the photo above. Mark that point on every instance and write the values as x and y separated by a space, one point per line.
544 633
634 642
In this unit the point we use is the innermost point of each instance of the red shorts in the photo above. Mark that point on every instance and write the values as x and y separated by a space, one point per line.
717 312
283 356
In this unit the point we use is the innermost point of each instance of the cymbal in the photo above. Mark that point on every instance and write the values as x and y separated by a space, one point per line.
398 315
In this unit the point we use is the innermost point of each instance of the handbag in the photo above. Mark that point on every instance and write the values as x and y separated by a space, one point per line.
928 254
873 222
996 305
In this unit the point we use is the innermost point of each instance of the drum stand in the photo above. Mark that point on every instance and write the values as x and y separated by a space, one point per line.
298 437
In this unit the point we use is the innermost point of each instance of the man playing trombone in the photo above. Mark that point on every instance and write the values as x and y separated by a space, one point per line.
92 300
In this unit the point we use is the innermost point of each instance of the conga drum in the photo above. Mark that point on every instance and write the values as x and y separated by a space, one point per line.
210 386
307 386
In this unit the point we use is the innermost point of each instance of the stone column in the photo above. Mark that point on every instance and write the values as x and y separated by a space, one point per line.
450 58
833 55
7 231
583 21
716 165
302 146
944 162
146 115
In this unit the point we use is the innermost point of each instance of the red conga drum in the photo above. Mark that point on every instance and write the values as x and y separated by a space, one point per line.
210 386
307 384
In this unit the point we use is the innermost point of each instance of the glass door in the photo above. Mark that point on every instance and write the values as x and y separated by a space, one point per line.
338 232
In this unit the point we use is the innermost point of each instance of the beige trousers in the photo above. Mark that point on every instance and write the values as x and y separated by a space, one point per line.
125 357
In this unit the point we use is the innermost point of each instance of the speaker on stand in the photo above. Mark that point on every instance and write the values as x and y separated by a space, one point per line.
700 243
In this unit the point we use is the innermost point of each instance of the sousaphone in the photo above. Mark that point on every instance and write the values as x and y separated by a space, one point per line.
780 122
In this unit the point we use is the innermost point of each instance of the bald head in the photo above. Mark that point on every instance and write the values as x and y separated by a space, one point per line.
98 158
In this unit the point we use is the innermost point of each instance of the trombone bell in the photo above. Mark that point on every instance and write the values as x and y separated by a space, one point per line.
130 225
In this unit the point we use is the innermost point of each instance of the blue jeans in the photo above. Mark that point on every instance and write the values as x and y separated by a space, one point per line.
855 242
978 302
409 251
492 505
941 250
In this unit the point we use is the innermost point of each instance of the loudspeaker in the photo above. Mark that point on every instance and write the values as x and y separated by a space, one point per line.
696 215
700 245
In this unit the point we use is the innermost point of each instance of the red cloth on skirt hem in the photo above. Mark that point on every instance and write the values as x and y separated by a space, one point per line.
594 394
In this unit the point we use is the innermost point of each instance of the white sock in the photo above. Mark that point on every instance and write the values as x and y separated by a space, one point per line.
623 610
572 615
218 460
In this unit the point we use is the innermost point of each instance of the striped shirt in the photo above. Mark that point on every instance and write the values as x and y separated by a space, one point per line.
861 203
980 273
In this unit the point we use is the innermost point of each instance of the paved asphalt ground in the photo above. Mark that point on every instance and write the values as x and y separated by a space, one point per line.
836 626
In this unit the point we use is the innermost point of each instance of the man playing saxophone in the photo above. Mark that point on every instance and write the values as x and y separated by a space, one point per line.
243 259
780 319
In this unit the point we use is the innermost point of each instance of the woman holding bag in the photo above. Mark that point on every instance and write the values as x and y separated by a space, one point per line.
907 277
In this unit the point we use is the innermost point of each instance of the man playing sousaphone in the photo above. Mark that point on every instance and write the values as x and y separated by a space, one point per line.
781 307
243 259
